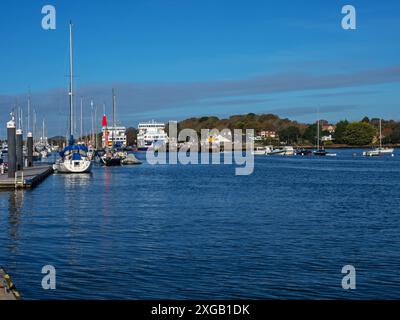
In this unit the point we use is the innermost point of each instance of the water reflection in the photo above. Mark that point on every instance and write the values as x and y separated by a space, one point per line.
15 204
73 180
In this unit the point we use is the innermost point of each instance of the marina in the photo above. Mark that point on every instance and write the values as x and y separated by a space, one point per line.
196 151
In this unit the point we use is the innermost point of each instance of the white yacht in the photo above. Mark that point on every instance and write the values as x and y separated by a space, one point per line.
151 135
259 151
380 150
74 157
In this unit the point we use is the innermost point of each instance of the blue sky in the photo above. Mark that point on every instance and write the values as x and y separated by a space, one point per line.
180 58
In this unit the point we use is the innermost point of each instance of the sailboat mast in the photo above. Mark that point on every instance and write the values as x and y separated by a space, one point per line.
92 121
29 113
113 115
380 133
96 127
318 134
34 126
71 138
81 135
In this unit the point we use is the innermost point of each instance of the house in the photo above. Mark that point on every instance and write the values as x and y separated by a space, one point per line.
331 128
327 138
268 134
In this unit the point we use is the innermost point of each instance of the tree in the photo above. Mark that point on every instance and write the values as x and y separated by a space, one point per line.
365 119
310 134
240 125
394 137
131 134
291 133
359 133
340 131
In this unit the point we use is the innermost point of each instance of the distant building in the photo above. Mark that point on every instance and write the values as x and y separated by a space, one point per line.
268 134
327 138
114 136
219 139
331 128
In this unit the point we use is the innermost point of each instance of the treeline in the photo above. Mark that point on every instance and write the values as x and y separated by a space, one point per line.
267 122
356 133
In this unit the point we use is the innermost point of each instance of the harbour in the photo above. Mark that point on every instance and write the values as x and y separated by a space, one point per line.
198 156
195 240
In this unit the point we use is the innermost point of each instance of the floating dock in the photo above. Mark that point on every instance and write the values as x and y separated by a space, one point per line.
26 179
7 288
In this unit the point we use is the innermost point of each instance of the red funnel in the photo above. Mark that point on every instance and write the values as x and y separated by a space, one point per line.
104 122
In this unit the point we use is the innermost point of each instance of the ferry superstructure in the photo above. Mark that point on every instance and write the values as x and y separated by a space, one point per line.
151 135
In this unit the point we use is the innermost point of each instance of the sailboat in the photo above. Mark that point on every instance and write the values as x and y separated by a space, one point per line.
112 158
320 151
74 158
381 150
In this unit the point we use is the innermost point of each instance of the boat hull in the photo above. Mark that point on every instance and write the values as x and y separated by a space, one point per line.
73 166
111 162
259 153
386 151
320 153
276 153
378 152
304 152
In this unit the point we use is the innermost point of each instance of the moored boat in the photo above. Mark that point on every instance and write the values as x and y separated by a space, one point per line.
320 152
303 152
111 159
259 151
380 151
74 157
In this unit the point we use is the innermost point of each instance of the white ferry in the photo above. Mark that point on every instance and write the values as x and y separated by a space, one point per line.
151 135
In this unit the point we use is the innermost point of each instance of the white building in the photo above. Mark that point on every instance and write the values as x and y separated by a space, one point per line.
114 136
327 138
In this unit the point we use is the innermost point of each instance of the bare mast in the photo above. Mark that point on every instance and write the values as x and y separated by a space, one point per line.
70 93
29 113
81 135
113 116
92 120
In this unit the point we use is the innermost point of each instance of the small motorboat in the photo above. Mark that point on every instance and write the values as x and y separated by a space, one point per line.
111 160
276 152
259 151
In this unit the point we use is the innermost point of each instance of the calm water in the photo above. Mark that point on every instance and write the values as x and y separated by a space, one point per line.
200 232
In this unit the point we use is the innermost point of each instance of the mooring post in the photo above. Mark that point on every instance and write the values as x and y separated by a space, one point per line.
12 152
19 150
29 145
